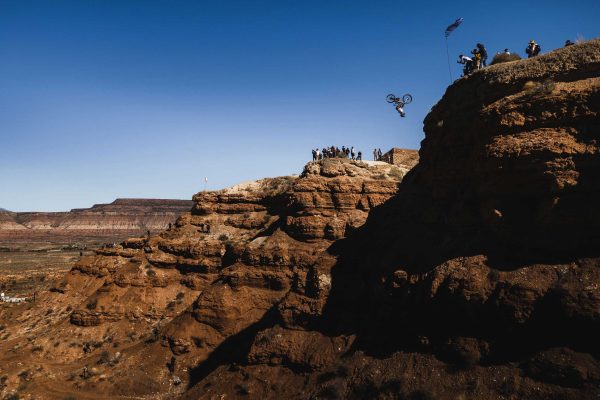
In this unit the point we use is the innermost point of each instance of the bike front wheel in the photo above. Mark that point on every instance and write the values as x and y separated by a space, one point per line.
407 98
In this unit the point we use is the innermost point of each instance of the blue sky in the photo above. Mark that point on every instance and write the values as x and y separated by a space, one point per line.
107 99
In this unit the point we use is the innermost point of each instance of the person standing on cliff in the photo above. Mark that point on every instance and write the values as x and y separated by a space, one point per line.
476 58
484 54
468 64
352 154
379 154
533 49
359 156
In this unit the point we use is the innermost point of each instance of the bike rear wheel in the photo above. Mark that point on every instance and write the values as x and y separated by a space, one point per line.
390 98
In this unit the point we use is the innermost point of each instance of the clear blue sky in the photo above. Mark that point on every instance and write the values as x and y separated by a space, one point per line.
107 99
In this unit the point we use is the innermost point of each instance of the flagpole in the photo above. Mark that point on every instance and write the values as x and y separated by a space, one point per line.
448 56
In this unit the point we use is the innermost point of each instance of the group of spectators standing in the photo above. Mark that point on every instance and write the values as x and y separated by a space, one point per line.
478 61
377 155
333 151
480 55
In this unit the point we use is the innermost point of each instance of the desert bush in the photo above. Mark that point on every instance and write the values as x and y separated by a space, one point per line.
223 237
546 87
539 88
25 375
36 349
104 357
12 396
180 296
503 57
92 304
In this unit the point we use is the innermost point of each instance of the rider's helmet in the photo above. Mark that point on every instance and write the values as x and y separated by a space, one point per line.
532 41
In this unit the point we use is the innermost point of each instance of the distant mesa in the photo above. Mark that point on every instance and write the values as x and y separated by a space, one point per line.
122 216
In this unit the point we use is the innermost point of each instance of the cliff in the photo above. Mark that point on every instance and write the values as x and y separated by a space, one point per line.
474 274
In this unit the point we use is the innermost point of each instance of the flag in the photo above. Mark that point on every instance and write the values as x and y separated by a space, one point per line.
453 26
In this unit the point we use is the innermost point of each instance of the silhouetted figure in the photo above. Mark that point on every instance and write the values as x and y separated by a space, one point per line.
359 156
569 43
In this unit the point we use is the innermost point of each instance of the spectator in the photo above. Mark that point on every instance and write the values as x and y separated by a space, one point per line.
468 63
533 49
484 54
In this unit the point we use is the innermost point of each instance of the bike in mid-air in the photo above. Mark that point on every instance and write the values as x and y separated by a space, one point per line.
399 102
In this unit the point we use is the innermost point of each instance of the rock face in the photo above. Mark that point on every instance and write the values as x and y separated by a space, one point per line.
239 257
480 277
475 275
121 217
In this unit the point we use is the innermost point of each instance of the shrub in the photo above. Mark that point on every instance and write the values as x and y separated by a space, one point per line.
546 87
539 88
223 237
104 357
36 349
92 304
503 57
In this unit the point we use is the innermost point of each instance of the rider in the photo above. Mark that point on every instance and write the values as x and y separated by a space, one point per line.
399 104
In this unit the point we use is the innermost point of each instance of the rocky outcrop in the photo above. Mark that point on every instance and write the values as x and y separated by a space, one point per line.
242 256
487 257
